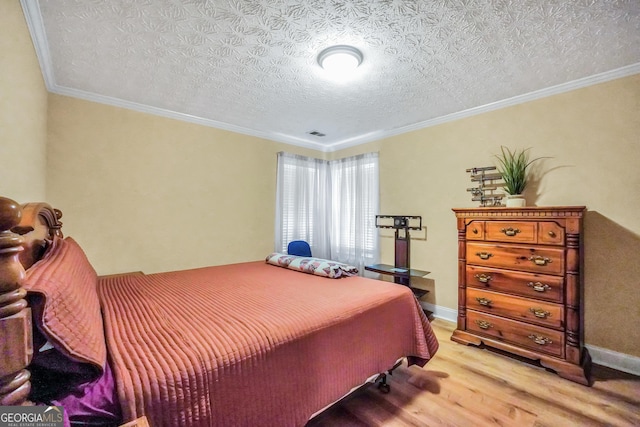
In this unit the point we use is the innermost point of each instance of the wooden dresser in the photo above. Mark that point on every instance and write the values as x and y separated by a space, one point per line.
520 284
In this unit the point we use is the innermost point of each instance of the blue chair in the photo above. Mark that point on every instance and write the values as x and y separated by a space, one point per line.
299 248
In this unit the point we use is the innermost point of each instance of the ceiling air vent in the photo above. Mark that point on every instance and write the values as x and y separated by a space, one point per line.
316 133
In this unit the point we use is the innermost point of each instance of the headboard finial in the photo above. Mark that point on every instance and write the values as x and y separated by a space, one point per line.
16 347
40 224
10 213
11 271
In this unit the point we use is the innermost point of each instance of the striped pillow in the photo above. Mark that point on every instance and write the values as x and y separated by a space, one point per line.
318 266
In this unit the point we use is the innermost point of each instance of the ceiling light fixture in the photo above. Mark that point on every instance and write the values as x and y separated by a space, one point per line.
340 60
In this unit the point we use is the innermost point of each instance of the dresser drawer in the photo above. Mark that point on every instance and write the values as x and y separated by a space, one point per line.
512 231
528 310
540 286
475 230
550 233
535 259
536 338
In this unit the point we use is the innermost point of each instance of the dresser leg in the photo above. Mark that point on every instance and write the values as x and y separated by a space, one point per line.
465 338
576 373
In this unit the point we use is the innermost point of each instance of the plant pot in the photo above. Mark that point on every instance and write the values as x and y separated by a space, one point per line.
516 201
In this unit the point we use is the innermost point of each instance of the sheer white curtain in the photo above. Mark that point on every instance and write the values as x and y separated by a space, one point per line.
302 203
355 203
331 205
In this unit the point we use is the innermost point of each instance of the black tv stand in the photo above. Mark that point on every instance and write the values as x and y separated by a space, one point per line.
401 270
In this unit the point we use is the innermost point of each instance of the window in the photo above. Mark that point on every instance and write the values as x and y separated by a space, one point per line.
354 196
331 205
301 203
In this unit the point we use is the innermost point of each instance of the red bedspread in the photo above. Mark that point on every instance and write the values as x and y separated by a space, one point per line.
252 344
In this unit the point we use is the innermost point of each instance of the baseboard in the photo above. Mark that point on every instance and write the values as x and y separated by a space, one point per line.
600 356
614 360
441 312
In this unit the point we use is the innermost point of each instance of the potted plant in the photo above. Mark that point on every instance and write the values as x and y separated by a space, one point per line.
513 168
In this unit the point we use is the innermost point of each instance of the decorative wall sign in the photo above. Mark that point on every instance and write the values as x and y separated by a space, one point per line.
488 183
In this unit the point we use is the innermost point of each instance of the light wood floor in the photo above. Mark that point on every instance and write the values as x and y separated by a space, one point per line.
468 386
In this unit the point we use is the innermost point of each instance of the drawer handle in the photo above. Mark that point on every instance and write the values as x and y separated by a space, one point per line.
510 231
483 301
540 340
484 255
552 234
483 324
538 312
484 278
540 260
539 287
475 231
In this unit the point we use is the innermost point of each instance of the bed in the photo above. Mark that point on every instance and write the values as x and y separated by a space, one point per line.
255 343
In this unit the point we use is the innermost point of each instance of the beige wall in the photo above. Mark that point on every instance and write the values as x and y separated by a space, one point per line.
23 110
142 192
593 137
136 182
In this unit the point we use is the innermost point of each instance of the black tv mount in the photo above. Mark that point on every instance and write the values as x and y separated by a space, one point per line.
402 224
399 222
401 269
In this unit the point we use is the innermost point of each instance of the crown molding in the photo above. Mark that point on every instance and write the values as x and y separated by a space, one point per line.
606 76
142 108
36 28
352 142
32 15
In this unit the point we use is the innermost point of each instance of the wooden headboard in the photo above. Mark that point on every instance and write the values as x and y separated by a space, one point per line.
24 234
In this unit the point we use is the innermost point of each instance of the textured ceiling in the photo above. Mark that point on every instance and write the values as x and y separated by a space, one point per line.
250 66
